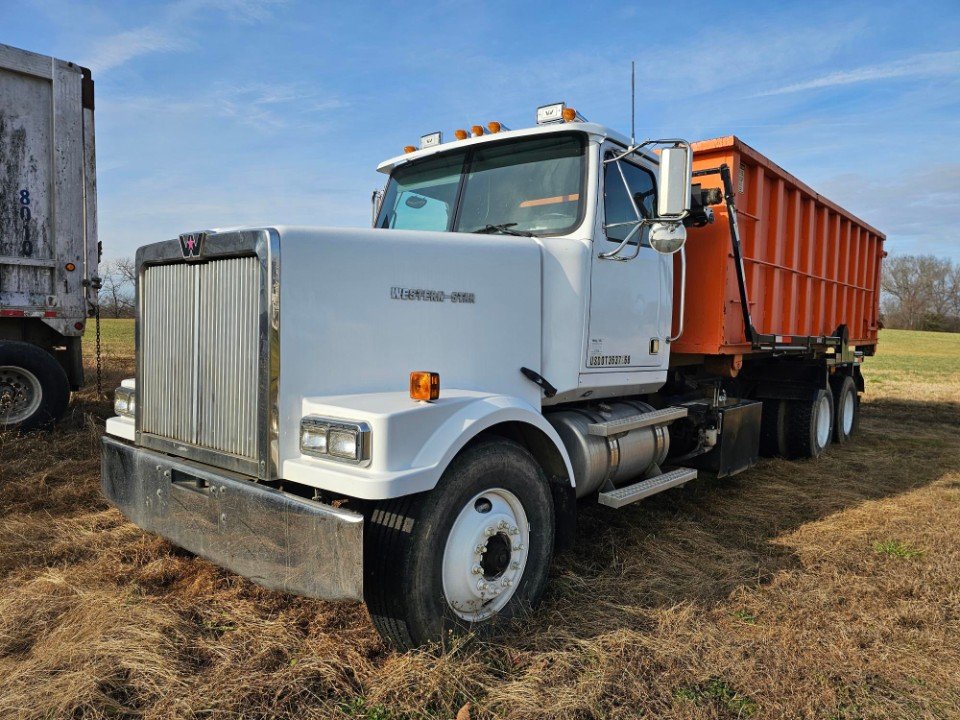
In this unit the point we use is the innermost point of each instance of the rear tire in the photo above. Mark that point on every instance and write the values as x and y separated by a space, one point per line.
810 424
773 423
422 571
846 415
34 390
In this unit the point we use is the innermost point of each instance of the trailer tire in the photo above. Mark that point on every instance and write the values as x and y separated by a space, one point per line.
420 554
810 424
773 428
846 416
34 390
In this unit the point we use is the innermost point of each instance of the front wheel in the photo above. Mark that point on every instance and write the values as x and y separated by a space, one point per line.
466 556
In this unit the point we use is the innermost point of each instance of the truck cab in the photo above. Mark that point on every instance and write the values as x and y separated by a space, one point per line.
408 414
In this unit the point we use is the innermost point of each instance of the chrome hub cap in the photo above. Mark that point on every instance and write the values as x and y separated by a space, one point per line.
848 410
485 554
20 394
823 421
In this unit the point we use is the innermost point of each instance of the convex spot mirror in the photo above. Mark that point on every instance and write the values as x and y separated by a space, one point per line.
667 238
676 174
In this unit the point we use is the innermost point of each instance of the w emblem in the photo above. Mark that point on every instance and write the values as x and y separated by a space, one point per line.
191 244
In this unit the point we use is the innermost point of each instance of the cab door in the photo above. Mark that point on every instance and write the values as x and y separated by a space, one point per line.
629 297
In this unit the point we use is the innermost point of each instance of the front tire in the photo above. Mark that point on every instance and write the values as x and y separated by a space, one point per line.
34 390
467 556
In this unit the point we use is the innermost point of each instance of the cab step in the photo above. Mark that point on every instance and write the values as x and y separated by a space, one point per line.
645 488
634 422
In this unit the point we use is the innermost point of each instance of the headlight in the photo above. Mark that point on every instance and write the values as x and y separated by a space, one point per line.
335 439
125 401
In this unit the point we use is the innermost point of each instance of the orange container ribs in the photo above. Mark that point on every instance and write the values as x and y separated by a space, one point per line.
810 266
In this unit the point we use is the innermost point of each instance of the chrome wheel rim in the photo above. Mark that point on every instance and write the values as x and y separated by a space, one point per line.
485 554
20 394
848 410
823 421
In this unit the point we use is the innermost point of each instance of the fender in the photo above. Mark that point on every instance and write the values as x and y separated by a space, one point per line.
451 437
412 442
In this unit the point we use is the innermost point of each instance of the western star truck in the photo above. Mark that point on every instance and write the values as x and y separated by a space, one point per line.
48 234
408 415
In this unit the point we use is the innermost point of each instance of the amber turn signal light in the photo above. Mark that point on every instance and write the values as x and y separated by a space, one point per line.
424 385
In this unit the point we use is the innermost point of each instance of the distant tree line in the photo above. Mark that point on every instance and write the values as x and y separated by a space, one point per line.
921 292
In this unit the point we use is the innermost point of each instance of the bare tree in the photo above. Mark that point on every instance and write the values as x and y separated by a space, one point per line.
119 282
922 293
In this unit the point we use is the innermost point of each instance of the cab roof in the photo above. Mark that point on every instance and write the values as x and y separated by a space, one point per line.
596 131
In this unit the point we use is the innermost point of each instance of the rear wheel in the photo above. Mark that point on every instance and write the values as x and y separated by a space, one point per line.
468 555
773 436
34 390
810 424
846 409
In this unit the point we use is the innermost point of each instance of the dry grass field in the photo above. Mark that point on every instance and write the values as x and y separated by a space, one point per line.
826 589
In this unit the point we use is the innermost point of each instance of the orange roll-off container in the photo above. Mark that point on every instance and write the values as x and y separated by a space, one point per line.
809 265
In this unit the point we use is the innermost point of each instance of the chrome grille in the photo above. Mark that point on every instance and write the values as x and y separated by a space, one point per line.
199 345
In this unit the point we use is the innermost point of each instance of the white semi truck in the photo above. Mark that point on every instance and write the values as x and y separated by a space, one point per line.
48 234
408 415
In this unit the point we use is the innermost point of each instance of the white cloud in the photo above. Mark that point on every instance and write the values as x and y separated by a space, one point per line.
171 32
919 66
917 209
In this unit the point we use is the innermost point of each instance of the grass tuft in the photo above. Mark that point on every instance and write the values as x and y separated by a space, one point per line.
895 548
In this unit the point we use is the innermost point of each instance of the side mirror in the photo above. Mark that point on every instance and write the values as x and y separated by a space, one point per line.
667 237
375 200
676 174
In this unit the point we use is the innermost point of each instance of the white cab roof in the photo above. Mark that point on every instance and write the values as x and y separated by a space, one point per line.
598 132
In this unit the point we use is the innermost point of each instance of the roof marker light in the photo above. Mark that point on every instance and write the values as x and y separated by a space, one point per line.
477 130
550 113
409 148
569 114
496 127
460 134
431 140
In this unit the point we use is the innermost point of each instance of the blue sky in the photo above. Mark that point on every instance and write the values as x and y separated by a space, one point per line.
230 112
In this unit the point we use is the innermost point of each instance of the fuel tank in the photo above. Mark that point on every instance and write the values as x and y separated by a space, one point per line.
619 458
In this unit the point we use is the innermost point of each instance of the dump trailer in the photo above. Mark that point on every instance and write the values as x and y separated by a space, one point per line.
409 415
48 233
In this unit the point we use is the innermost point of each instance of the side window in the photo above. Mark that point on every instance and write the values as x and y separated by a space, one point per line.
616 203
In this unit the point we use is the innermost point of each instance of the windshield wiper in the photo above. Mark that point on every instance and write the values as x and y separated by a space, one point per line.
505 228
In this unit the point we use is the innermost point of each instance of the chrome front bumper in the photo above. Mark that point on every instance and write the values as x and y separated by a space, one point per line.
275 539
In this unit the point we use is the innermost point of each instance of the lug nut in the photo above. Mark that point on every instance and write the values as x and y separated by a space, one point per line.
518 548
491 531
481 585
477 570
515 565
514 531
502 525
480 549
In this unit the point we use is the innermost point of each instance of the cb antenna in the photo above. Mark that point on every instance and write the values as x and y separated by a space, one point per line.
633 103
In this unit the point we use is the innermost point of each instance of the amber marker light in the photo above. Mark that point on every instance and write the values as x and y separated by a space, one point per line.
70 267
494 126
569 114
477 130
424 385
460 134
409 148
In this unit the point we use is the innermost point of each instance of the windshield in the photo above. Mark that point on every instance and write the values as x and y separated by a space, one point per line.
527 186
